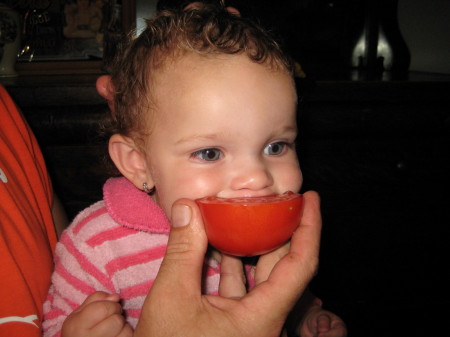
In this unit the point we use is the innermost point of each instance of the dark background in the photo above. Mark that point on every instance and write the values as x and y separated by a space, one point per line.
378 154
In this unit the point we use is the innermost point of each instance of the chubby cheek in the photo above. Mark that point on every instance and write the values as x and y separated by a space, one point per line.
299 182
187 185
292 179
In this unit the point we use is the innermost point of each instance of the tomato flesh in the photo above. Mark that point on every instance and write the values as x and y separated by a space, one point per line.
251 226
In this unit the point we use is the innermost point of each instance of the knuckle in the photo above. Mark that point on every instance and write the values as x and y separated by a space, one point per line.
127 331
117 320
95 296
105 308
180 252
102 309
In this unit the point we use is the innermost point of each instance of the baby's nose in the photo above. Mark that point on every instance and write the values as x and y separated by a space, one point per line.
255 176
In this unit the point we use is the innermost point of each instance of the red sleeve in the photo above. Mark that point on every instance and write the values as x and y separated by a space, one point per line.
27 235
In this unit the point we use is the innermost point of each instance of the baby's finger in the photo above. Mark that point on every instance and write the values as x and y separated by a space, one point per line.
98 296
96 312
114 325
323 323
89 315
337 329
127 331
232 277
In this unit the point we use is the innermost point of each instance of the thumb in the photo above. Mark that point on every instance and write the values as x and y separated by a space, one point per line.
184 257
185 252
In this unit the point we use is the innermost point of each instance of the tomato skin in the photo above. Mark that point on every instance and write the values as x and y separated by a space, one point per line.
251 226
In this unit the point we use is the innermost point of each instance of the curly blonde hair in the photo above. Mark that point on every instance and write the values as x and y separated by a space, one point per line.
208 30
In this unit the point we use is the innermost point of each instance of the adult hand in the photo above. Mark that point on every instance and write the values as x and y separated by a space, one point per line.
175 305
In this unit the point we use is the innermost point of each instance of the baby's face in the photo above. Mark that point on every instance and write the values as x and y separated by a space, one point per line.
224 127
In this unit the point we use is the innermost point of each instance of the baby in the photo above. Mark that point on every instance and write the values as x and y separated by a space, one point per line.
204 104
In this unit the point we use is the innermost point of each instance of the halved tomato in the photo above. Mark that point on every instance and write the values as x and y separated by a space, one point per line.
251 226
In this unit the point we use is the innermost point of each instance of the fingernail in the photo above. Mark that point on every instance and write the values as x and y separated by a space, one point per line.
181 215
112 297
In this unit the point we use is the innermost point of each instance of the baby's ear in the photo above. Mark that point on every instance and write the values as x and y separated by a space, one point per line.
105 89
129 160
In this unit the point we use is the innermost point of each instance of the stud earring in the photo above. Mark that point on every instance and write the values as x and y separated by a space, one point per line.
146 188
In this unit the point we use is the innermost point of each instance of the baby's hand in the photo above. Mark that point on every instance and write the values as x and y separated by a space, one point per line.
321 323
100 315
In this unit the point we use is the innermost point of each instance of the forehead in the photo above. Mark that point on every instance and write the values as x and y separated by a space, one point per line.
208 75
229 94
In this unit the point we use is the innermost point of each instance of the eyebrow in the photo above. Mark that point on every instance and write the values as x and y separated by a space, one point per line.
215 136
209 136
288 129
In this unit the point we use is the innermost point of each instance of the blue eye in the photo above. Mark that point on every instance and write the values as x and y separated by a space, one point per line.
275 149
210 154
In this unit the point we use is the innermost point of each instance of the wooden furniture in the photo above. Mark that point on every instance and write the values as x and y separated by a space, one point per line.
378 152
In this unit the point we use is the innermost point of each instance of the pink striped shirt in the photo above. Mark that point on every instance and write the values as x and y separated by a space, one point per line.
116 246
